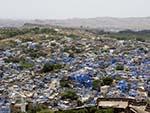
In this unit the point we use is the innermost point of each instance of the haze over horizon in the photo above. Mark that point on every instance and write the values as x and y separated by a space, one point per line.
56 9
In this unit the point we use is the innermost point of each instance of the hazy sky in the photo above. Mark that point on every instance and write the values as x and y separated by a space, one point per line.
60 9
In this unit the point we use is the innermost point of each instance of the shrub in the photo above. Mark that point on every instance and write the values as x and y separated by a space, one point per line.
107 81
70 94
73 36
92 110
36 53
26 65
64 83
12 59
140 39
79 103
48 30
51 67
119 67
88 110
97 84
38 108
45 111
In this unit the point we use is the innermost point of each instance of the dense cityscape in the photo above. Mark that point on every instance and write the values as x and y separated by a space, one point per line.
57 69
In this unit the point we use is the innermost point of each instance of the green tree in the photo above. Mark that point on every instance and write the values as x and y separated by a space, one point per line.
92 110
64 83
82 111
97 84
70 94
51 67
26 64
120 67
45 111
107 81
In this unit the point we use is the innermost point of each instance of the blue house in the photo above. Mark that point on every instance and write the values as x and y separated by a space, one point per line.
4 105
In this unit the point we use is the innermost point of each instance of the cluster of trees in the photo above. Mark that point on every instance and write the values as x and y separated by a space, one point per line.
102 82
120 67
88 110
25 64
35 53
142 32
38 30
12 59
73 36
131 35
48 67
11 32
70 94
40 109
73 48
65 82
96 83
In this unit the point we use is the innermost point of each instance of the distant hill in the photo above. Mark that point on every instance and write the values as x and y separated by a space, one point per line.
106 23
11 23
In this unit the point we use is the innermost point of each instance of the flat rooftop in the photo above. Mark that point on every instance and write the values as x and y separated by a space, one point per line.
114 104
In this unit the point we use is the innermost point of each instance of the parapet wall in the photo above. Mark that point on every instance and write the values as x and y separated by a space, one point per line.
129 100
